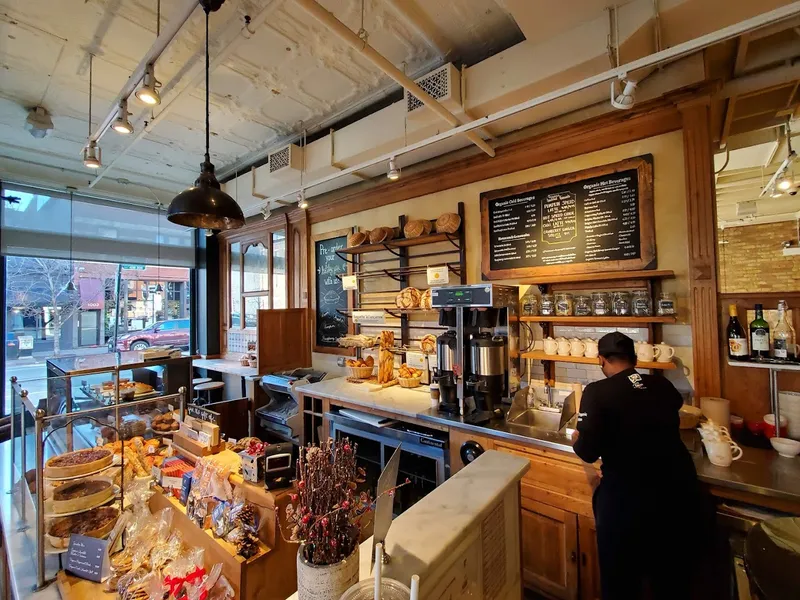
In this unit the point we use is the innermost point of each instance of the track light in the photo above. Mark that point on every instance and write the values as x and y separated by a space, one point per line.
301 200
775 193
626 99
393 173
39 124
148 93
784 183
121 124
92 156
209 232
266 212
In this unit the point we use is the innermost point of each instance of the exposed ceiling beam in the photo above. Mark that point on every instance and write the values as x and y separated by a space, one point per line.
741 55
726 125
760 81
410 12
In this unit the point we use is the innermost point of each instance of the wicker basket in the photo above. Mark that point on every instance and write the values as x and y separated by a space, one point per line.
361 372
409 382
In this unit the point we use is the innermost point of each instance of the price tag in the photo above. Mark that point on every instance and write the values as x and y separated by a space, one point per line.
438 275
369 317
349 282
87 557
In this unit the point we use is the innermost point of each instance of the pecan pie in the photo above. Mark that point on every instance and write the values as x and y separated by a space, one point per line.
97 523
82 494
77 463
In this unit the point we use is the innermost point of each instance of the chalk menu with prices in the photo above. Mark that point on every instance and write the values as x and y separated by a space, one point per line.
593 220
87 557
331 298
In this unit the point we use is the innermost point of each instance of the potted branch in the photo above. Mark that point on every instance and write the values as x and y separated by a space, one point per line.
326 517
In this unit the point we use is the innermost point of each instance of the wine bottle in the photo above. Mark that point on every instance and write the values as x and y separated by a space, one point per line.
783 347
737 340
759 335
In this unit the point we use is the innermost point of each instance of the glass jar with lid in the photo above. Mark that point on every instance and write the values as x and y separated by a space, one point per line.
564 304
601 304
547 305
642 304
530 305
621 303
666 304
583 305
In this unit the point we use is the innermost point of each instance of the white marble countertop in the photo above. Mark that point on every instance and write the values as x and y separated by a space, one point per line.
395 399
224 365
435 525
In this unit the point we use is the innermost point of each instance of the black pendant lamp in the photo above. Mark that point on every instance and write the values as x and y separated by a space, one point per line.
205 205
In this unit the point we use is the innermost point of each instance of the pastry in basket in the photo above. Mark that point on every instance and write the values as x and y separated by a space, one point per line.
77 463
408 298
96 523
82 494
425 300
428 344
408 376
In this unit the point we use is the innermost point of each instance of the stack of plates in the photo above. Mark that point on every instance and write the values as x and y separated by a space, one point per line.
790 408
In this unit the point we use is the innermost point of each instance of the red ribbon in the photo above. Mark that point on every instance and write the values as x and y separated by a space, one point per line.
175 584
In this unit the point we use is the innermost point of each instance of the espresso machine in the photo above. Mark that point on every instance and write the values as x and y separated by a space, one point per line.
478 356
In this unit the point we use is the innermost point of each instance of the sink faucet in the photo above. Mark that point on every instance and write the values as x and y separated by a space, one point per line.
549 394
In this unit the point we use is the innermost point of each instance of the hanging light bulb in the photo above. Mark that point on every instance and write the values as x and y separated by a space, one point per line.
148 93
784 183
301 200
393 173
121 124
92 156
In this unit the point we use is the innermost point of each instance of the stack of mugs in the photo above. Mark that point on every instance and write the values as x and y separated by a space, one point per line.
720 448
574 347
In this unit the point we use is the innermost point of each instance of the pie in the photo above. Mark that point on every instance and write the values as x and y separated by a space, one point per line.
96 523
77 463
142 388
82 494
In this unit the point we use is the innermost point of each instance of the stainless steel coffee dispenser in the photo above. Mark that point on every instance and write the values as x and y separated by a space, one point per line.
478 357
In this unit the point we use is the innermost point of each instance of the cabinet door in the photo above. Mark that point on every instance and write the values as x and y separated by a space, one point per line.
549 549
590 565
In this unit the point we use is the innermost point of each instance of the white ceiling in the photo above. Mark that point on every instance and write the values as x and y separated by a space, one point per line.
292 74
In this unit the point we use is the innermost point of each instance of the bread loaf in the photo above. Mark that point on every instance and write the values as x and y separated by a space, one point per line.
448 223
428 344
386 357
356 239
414 228
408 298
425 300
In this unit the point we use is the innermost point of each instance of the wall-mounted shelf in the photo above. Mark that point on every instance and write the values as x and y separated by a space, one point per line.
773 366
584 360
603 321
431 238
593 277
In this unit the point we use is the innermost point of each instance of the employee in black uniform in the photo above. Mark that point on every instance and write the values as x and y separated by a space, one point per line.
647 505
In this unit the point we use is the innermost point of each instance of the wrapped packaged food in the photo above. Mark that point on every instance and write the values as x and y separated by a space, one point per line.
221 519
165 553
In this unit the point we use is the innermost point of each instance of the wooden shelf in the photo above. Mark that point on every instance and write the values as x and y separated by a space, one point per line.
610 321
540 355
609 276
431 238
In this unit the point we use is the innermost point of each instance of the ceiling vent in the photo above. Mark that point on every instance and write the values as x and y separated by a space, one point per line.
746 209
444 84
287 159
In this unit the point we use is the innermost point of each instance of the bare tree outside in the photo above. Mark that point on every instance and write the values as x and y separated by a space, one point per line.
35 283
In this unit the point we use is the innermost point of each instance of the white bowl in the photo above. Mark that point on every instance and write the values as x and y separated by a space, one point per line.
785 446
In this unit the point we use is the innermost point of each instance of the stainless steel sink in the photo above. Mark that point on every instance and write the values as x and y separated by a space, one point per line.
532 418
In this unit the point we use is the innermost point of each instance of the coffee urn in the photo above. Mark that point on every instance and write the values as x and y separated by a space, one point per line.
488 370
445 377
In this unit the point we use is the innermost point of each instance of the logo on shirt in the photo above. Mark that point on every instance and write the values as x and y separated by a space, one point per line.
636 381
580 416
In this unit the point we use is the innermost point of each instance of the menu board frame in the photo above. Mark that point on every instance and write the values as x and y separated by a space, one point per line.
323 237
647 240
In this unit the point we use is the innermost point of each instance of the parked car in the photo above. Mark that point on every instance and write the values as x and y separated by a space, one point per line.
162 333
12 346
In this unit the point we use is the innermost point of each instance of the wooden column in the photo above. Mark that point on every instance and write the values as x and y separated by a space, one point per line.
701 214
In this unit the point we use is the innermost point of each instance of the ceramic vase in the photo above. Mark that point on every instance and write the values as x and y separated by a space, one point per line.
326 582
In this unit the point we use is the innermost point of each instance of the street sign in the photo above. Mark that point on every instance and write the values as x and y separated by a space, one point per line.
133 267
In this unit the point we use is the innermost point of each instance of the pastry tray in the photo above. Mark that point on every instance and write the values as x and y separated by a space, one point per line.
48 507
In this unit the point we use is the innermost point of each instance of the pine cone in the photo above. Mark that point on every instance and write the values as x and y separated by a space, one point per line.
247 545
246 517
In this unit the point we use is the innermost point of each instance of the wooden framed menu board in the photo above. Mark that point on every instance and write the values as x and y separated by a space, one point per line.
598 219
330 301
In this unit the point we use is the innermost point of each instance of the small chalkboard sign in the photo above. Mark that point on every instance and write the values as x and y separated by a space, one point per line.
203 414
87 557
331 300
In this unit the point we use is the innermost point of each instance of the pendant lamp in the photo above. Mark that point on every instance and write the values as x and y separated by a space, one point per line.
205 205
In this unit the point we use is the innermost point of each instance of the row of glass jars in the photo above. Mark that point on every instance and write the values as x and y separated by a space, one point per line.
602 304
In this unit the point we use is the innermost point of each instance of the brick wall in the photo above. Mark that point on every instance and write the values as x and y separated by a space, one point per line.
752 259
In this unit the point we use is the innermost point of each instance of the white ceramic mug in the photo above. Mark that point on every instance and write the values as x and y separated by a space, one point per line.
564 346
722 452
591 348
550 346
664 353
645 352
577 348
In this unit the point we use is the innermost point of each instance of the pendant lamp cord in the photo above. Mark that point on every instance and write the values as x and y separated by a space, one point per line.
91 59
70 233
208 106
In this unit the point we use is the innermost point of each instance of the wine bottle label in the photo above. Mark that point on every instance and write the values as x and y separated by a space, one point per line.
737 346
760 340
780 349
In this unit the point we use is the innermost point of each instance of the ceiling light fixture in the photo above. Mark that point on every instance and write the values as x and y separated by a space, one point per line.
70 285
625 99
301 200
393 173
121 124
39 124
775 194
148 93
784 183
205 205
209 232
266 212
92 153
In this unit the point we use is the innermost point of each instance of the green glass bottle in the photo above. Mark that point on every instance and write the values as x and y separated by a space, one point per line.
759 335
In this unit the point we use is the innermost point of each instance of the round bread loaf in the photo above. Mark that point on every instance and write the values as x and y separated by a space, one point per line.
414 228
448 223
425 300
356 239
378 235
408 298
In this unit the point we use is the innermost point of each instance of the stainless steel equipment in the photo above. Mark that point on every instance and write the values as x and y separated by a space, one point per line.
479 357
282 416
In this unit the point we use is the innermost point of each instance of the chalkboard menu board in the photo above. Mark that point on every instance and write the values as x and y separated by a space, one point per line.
599 219
329 297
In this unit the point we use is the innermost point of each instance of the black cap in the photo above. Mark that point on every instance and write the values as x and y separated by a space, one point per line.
615 343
